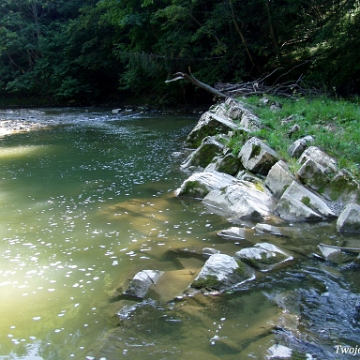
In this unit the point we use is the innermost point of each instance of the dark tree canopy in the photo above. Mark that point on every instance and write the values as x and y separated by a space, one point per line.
83 51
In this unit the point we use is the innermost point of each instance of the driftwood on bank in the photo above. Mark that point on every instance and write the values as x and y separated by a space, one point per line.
190 77
256 87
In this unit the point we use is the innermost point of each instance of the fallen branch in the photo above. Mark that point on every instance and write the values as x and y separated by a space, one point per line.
256 87
190 77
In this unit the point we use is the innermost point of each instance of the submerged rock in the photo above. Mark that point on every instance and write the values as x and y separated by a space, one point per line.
221 272
263 256
278 351
236 233
141 283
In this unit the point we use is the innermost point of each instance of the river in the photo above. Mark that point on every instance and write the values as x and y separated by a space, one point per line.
89 201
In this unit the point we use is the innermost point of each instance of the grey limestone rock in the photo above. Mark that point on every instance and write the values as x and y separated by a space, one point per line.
257 156
349 219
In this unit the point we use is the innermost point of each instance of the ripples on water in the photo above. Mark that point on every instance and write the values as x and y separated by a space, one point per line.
88 202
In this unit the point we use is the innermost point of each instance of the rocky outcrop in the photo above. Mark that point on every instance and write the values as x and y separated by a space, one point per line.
318 191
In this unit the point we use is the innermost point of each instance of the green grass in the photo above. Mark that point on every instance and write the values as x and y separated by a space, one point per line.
334 123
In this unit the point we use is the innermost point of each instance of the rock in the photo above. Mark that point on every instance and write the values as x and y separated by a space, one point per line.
221 272
342 189
291 209
173 284
317 168
278 351
293 130
210 124
198 185
235 233
299 146
141 283
210 251
270 229
328 252
349 219
250 122
242 200
204 154
300 204
258 157
279 178
263 256
228 164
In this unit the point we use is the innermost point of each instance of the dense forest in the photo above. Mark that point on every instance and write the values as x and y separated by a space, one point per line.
89 51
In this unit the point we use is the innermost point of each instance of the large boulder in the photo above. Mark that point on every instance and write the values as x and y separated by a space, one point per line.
300 204
221 272
279 178
263 256
210 124
242 200
349 219
257 156
198 185
204 154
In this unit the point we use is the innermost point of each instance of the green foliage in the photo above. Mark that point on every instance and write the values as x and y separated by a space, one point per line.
335 125
80 50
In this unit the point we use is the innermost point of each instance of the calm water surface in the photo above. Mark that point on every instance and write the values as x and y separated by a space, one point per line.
88 202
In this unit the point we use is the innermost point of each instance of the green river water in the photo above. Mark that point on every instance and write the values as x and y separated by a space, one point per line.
89 201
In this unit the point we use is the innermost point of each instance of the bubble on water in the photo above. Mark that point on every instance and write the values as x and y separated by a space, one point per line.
36 318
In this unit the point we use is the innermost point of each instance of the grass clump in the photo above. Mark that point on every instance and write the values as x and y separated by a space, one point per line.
334 124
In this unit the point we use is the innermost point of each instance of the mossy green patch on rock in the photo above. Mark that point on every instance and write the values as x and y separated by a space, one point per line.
194 189
241 270
255 151
208 282
306 200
